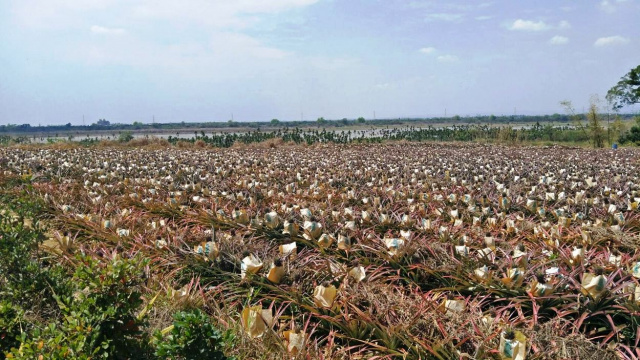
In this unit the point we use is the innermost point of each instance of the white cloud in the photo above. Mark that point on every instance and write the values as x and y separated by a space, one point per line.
333 64
271 6
49 14
211 13
611 40
607 6
558 40
242 43
220 14
448 59
223 55
564 24
428 50
221 49
483 17
106 31
529 25
383 86
450 17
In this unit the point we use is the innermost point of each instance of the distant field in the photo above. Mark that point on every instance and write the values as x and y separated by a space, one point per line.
186 133
524 133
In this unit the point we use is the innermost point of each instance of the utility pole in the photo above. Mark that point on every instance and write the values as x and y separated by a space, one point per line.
445 112
374 114
82 119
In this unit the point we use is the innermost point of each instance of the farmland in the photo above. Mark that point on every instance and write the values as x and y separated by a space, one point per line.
321 251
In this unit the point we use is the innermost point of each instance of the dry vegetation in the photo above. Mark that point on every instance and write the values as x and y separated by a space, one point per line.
434 251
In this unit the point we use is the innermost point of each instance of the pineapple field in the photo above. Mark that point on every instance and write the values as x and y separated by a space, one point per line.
396 250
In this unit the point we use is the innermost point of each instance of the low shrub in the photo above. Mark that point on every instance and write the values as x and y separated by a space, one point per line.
125 137
99 319
10 329
192 336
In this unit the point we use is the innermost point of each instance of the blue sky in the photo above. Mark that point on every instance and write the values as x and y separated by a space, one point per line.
203 60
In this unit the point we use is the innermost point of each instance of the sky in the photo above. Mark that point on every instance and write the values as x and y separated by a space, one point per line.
255 60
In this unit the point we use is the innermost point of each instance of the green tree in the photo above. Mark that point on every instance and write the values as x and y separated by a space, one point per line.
321 120
617 128
627 90
594 120
275 121
361 120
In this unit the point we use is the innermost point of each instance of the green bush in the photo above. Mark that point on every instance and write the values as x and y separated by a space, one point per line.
99 318
108 298
193 336
52 342
26 281
125 137
10 323
632 136
86 308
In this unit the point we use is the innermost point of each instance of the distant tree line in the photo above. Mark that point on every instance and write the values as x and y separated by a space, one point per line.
105 125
